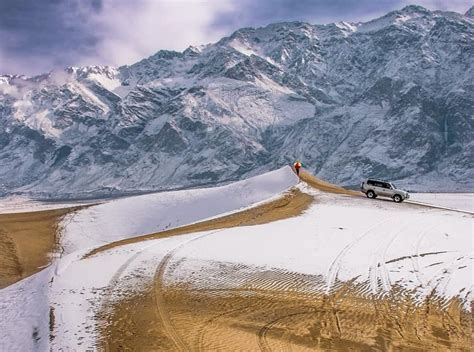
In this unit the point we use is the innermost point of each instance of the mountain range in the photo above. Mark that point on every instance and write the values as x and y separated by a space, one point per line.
391 98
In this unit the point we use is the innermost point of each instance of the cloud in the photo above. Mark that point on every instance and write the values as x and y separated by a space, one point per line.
37 36
12 90
131 30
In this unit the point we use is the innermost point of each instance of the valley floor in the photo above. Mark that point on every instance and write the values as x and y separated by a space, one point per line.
268 264
456 201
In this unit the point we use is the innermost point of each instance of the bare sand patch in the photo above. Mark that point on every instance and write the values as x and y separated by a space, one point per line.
325 186
290 204
281 311
27 241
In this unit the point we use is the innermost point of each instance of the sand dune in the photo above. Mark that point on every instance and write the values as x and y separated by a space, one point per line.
290 204
324 186
251 310
257 309
27 241
285 274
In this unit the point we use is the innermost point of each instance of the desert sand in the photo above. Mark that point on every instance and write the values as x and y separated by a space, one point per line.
27 242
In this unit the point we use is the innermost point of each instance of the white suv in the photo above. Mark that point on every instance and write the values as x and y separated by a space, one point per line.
374 188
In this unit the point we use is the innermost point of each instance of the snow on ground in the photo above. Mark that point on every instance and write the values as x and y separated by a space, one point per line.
77 302
339 237
19 204
139 215
458 201
24 313
71 286
343 238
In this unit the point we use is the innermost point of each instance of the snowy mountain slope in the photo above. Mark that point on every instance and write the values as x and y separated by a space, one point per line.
390 98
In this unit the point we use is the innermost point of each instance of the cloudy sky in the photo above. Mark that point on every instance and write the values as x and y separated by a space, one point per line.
40 35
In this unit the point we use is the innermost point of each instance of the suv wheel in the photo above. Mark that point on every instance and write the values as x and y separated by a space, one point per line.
371 194
397 198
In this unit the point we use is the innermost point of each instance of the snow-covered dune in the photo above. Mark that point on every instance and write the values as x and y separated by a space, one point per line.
380 245
377 244
135 216
25 306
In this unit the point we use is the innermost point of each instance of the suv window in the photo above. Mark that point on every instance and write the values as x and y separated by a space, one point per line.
378 184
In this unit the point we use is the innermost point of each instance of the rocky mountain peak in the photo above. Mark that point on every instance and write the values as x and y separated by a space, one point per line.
470 12
415 9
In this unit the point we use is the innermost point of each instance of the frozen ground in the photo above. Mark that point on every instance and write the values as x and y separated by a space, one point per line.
459 201
18 204
339 238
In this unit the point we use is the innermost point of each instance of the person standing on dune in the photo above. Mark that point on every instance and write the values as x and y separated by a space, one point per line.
297 165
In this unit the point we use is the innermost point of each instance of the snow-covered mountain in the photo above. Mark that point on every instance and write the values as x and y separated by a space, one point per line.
390 98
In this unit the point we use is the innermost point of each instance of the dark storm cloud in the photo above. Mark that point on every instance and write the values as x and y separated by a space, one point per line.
36 35
40 35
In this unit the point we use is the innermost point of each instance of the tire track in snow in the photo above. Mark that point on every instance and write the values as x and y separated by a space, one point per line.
415 262
443 276
378 268
158 287
170 329
168 325
335 266
160 304
115 280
